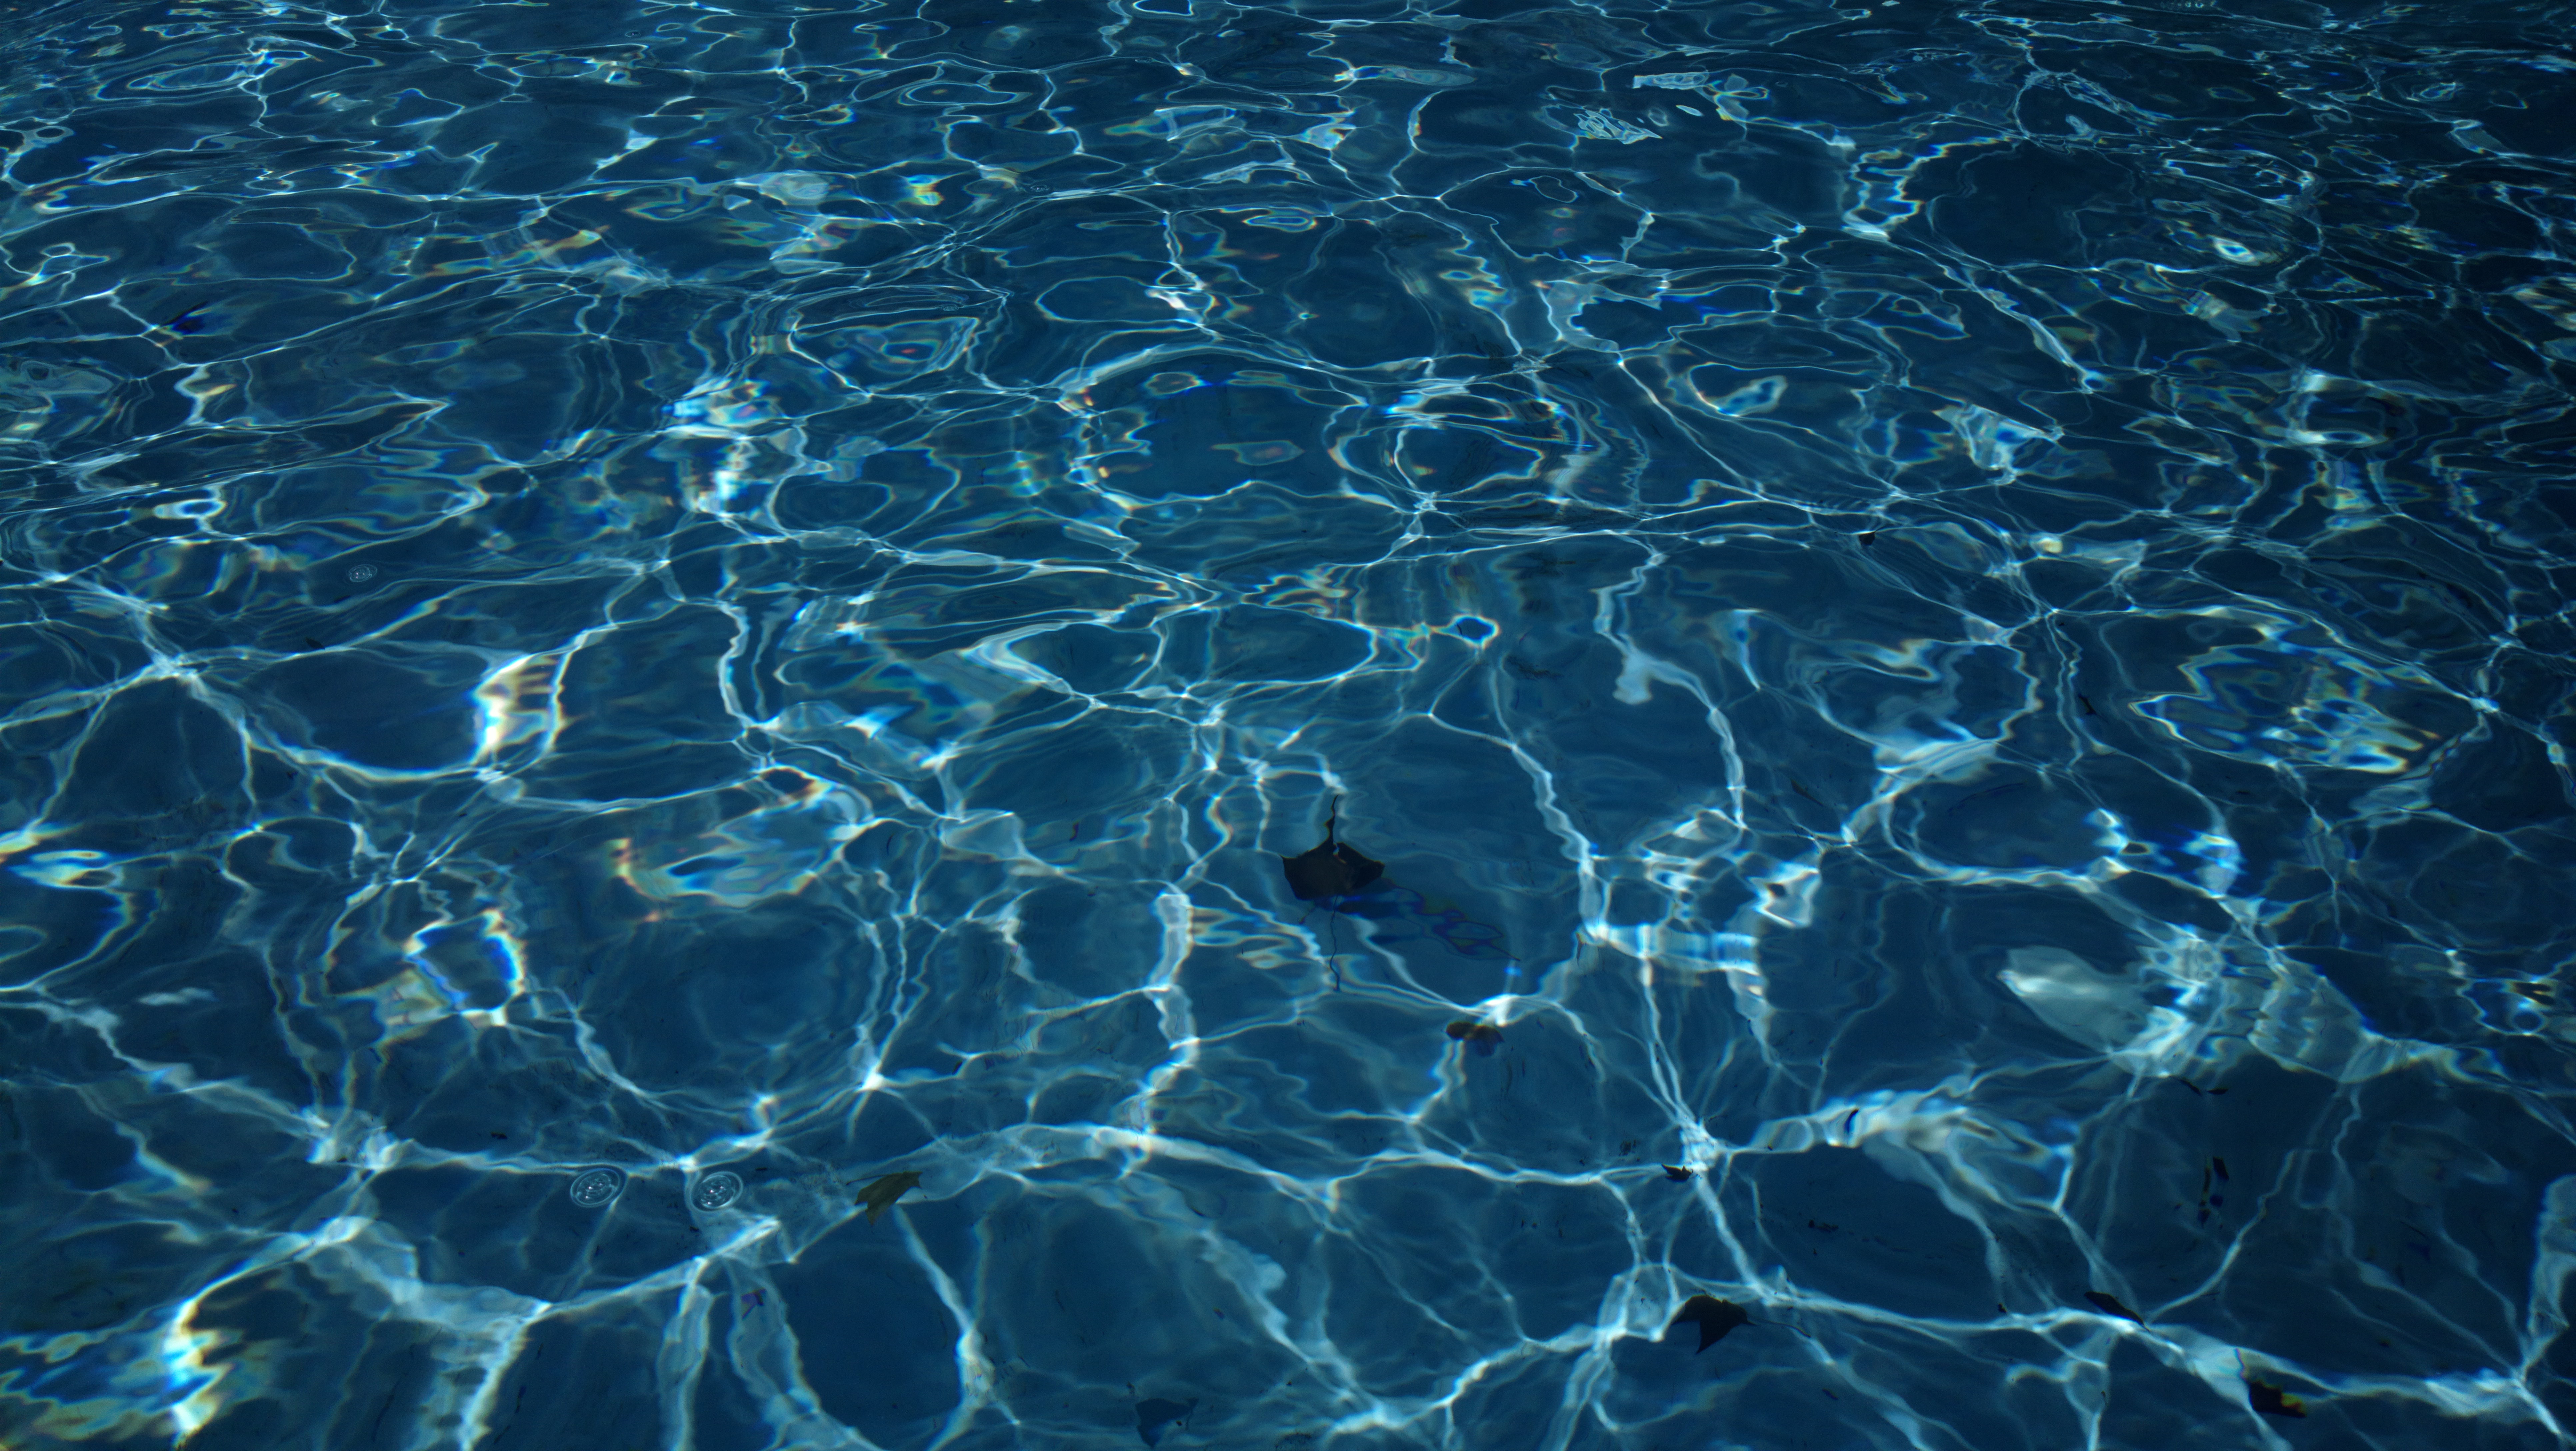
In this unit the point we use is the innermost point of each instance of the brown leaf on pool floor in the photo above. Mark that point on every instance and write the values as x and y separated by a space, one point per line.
1713 1316
1484 1038
2271 1400
881 1195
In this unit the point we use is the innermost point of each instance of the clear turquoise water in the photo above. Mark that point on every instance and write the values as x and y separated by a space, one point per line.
656 662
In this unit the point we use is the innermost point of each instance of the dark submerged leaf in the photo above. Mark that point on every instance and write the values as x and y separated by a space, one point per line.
1484 1038
1713 1316
1333 868
1155 1417
2271 1400
881 1195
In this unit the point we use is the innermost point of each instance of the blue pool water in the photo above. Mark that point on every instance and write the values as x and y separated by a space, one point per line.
661 665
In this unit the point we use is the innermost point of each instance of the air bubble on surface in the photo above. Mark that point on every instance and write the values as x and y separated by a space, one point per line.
717 1190
597 1188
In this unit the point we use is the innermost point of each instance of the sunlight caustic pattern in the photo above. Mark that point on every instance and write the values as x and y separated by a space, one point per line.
660 660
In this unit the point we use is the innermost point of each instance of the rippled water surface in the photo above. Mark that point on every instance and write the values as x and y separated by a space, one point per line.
671 675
